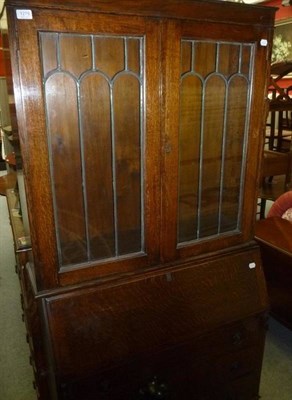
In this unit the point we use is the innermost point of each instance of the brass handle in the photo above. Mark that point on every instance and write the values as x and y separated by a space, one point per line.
155 389
237 339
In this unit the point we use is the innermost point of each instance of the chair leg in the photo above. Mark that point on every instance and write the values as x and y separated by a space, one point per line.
262 208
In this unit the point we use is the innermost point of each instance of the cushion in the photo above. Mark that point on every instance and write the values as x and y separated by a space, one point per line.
281 205
288 214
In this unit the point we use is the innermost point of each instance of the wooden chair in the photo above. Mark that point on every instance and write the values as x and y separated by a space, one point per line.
279 128
7 181
275 177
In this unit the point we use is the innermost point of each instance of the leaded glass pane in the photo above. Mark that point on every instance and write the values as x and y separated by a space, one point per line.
93 87
214 107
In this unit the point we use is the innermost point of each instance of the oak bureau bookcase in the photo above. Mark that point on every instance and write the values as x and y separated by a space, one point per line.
140 126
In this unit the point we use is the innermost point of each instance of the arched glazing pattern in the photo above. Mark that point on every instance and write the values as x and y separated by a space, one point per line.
214 110
93 86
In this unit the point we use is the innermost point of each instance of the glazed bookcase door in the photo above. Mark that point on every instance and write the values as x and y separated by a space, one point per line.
211 137
95 84
90 126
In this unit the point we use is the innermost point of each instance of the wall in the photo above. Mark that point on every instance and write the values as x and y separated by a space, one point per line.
282 14
3 44
3 25
5 71
3 22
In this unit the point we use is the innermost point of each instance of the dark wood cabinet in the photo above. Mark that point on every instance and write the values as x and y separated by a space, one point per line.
141 131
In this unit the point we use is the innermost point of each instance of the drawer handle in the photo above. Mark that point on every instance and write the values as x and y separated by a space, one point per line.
235 366
237 339
155 389
22 301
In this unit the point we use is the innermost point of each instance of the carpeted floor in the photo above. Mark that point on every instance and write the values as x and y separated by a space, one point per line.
276 382
16 374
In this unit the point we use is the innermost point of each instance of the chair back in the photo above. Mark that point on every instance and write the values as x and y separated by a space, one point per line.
276 163
275 180
279 121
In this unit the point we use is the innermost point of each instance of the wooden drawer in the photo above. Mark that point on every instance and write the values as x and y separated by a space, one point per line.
96 328
229 371
236 376
34 336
